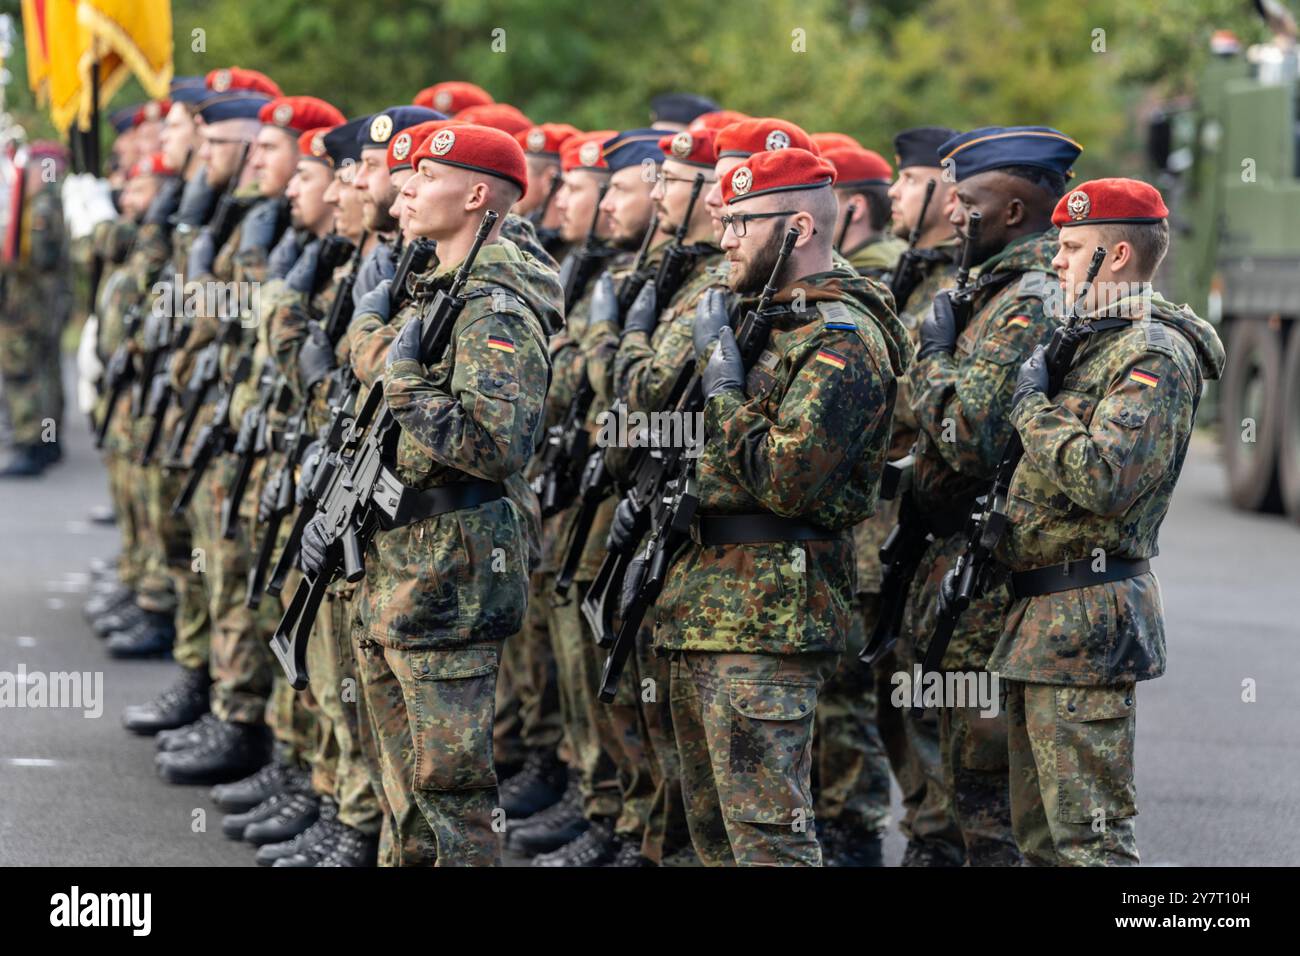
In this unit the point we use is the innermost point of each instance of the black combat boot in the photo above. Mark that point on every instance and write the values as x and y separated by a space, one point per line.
51 452
184 701
233 825
152 636
27 461
595 847
230 752
551 829
191 735
326 828
629 855
538 784
121 614
842 845
296 812
108 597
919 853
278 776
350 847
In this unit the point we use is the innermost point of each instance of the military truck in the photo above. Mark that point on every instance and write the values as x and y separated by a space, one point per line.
1228 161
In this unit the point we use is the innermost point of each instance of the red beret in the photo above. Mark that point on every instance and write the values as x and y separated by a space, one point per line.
300 113
692 147
546 138
401 146
780 170
717 120
152 111
311 145
480 148
1110 200
237 78
152 165
855 166
825 141
756 135
452 96
500 116
586 151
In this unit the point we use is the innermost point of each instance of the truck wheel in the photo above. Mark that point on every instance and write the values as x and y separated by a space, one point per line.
1288 454
1252 402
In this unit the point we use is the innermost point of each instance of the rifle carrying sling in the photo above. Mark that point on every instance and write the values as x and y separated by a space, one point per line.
1073 575
758 528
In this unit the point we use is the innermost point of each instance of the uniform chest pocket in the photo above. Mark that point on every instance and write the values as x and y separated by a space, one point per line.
997 352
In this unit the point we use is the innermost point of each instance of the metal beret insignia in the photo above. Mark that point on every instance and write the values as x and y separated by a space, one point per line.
402 147
1078 205
442 102
589 153
282 114
442 142
777 139
682 144
741 180
221 82
318 144
381 127
536 139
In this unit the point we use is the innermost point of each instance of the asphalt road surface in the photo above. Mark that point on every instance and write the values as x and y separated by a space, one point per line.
1218 775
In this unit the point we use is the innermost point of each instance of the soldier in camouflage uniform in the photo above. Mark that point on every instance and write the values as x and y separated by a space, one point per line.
36 302
862 188
1101 457
961 395
443 592
756 611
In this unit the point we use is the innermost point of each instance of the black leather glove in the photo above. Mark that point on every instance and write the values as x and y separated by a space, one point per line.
312 547
312 456
197 201
375 302
1033 376
623 525
710 316
203 251
407 344
270 496
381 264
284 255
643 315
604 301
315 358
165 201
631 582
939 330
725 369
947 591
303 274
258 229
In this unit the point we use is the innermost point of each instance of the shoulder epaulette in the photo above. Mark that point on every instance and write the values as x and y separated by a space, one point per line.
836 315
1034 284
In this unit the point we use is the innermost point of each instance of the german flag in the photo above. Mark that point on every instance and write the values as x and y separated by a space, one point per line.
833 359
1144 378
1018 321
501 344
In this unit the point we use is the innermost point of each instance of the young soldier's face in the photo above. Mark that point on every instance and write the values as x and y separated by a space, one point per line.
752 257
274 158
349 219
219 150
712 194
1073 256
540 173
376 190
908 195
672 195
308 208
577 204
178 136
397 180
137 194
627 204
435 200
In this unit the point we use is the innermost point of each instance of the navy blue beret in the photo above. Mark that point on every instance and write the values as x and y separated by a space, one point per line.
228 106
920 146
343 144
994 147
632 147
387 123
123 119
680 107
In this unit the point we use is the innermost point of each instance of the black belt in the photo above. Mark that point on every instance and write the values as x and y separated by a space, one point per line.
418 505
757 528
1075 574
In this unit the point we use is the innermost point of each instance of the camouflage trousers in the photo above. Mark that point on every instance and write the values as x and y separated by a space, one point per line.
975 768
528 698
588 724
431 715
29 364
154 590
193 637
850 766
666 830
241 663
130 560
744 727
338 767
1073 797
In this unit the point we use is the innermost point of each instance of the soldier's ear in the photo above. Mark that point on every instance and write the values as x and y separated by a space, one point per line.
1015 212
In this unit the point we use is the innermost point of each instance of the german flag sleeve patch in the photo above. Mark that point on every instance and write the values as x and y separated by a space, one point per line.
500 343
1143 377
832 358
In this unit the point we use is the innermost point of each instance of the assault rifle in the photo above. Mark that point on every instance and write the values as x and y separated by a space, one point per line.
120 372
297 438
907 272
549 238
214 438
340 315
583 264
678 261
229 209
671 526
360 495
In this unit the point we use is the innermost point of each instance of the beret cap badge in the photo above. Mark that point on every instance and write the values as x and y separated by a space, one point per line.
741 180
682 144
402 146
589 154
442 142
536 140
1079 205
283 114
777 139
381 127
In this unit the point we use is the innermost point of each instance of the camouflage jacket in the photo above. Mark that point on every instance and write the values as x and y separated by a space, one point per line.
963 403
462 577
877 257
806 439
1101 460
939 272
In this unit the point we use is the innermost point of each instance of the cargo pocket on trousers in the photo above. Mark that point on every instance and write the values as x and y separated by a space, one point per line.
769 753
454 694
1095 729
